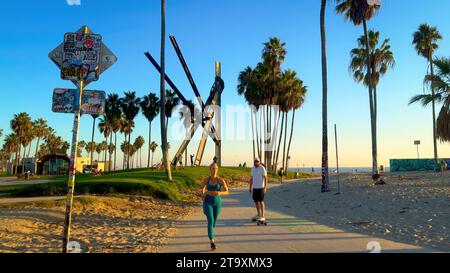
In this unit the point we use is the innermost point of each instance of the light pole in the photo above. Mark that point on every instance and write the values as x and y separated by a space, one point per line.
417 143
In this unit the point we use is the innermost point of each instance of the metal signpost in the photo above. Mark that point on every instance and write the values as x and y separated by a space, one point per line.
81 58
337 160
417 143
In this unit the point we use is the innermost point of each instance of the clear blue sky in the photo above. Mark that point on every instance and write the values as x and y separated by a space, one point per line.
231 31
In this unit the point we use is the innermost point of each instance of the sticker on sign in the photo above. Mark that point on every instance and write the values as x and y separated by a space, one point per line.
66 101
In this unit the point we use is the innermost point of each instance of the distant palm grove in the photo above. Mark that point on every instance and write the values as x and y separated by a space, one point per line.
263 85
120 113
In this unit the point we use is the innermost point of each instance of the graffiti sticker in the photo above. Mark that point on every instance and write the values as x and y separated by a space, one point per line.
67 101
81 57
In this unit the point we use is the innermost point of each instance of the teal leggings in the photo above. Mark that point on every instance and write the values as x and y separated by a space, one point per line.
211 208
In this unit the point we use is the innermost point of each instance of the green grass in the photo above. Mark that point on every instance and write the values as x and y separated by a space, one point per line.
133 182
3 174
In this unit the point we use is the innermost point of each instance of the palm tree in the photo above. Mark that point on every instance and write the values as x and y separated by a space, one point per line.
113 110
125 148
130 109
11 145
325 172
40 131
172 101
381 59
359 12
138 144
111 150
99 149
81 146
92 148
1 132
150 108
21 124
440 82
273 55
296 98
105 129
425 42
153 147
165 151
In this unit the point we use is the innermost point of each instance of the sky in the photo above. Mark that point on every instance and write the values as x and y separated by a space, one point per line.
233 32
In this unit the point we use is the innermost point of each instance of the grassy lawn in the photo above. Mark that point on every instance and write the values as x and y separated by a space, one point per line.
134 182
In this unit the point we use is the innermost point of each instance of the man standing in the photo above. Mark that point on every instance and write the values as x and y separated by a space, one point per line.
258 185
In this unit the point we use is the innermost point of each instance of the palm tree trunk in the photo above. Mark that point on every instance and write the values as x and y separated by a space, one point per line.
375 171
325 172
257 134
106 140
290 140
115 150
279 142
285 142
92 141
23 159
253 132
165 151
35 155
277 129
149 143
128 152
109 151
433 103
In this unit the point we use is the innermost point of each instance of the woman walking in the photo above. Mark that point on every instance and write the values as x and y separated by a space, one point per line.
213 188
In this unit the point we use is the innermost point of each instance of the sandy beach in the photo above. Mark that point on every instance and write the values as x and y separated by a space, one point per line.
100 225
412 208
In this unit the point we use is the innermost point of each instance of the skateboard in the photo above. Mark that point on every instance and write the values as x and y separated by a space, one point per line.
260 223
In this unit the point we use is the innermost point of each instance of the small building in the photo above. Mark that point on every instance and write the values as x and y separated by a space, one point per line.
54 164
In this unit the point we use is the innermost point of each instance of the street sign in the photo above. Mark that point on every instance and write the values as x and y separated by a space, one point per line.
106 57
66 101
417 142
81 57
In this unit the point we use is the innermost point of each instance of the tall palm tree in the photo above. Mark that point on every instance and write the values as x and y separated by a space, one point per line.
359 12
40 131
150 108
165 151
21 124
130 109
99 149
104 126
153 147
323 38
273 55
81 146
114 111
127 128
92 148
297 94
172 101
440 82
1 132
425 42
381 59
11 145
138 144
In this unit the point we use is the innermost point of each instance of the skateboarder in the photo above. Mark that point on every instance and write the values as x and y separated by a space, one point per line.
258 186
213 188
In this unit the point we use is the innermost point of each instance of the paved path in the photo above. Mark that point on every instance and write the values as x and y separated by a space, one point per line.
16 182
285 234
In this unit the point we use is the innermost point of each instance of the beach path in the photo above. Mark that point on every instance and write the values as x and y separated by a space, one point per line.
284 234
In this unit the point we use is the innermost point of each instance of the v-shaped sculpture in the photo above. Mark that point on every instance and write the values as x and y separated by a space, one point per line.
208 109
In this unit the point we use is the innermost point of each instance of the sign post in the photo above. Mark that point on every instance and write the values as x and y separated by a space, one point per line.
81 59
337 160
417 143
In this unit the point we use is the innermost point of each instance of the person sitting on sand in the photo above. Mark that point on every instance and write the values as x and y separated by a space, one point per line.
213 187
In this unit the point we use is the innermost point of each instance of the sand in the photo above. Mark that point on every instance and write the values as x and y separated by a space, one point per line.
100 225
412 208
